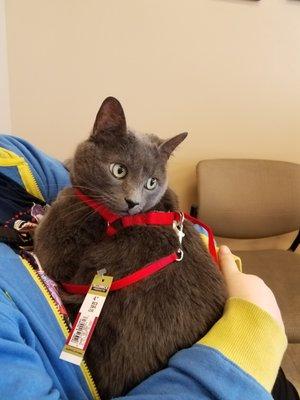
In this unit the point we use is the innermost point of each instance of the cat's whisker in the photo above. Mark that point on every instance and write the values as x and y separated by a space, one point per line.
85 187
79 208
51 185
85 217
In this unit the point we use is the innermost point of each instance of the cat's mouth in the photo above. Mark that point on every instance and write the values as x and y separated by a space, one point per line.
130 211
133 211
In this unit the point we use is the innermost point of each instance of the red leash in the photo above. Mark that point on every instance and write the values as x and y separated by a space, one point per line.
151 218
211 240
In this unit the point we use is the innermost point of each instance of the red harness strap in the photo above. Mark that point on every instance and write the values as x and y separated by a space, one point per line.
128 280
109 216
151 218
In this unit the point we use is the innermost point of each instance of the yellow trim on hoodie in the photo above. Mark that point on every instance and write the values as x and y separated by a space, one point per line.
10 159
251 338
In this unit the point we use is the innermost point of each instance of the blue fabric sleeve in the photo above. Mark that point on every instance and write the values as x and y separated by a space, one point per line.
199 373
21 369
50 174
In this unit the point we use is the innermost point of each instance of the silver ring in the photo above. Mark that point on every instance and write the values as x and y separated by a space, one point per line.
180 255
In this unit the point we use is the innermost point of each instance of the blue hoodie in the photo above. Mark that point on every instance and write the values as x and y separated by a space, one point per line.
33 333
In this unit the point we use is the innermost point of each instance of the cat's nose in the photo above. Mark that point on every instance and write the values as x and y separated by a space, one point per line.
131 203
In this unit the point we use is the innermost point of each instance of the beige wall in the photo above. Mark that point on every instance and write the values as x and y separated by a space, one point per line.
5 122
226 71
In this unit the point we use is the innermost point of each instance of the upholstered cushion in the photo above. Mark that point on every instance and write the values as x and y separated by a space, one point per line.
280 270
249 198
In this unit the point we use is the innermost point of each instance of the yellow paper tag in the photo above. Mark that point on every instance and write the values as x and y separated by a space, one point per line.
86 320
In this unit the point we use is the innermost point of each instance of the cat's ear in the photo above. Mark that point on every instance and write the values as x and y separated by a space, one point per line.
110 118
168 146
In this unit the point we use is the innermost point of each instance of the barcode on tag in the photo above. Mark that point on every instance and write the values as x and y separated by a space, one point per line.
81 332
86 320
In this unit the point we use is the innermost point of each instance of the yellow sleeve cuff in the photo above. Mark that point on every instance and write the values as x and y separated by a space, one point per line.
251 338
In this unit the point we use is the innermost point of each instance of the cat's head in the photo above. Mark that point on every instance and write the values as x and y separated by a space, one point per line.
124 171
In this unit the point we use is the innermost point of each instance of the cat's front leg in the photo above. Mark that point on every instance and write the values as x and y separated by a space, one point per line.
102 255
56 242
68 298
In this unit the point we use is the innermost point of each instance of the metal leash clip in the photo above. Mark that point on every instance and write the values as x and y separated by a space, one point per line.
178 228
101 271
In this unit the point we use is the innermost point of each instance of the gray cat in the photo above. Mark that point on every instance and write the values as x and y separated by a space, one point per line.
143 325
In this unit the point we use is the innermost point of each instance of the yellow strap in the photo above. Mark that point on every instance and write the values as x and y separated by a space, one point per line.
237 259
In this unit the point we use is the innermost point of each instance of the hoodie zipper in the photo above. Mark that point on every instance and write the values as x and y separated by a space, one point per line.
61 321
11 159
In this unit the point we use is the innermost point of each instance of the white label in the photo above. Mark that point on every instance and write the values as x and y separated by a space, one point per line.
86 320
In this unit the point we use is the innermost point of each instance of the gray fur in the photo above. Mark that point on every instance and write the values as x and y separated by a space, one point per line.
143 325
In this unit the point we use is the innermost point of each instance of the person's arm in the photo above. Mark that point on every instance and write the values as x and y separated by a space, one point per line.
199 372
254 332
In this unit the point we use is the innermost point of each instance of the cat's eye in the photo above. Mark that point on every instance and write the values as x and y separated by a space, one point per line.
151 183
119 171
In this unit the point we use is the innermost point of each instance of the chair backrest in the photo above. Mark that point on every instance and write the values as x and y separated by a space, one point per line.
249 198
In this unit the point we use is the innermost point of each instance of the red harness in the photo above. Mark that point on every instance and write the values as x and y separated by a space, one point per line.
150 218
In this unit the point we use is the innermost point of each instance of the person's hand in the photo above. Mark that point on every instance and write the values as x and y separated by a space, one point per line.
247 287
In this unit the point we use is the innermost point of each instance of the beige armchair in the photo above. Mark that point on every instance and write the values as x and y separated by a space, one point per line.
254 207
